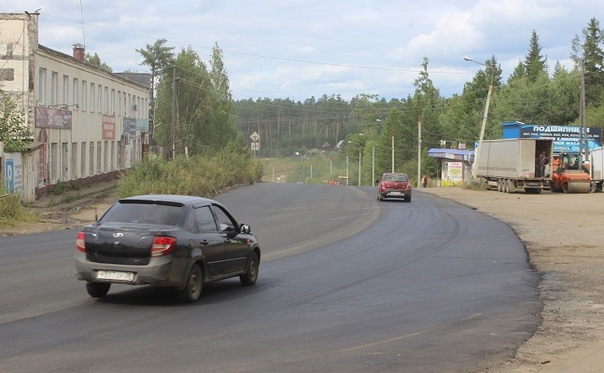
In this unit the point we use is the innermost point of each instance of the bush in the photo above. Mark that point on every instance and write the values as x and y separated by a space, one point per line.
200 175
11 210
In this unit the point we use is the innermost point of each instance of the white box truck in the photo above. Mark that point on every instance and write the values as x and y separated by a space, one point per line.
596 162
511 164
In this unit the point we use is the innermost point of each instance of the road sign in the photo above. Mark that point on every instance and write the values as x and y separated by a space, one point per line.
255 136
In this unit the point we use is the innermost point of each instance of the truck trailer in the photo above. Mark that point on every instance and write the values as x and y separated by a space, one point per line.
596 164
511 164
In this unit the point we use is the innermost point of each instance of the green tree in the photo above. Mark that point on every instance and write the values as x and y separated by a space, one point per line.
205 115
534 62
222 107
589 53
96 61
158 57
14 133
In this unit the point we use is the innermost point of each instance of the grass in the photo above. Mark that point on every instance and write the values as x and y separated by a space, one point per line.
11 211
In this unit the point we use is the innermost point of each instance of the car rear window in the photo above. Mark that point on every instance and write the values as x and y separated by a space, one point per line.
142 212
396 178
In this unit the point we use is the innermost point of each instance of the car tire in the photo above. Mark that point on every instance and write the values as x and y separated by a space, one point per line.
192 290
408 199
251 275
97 289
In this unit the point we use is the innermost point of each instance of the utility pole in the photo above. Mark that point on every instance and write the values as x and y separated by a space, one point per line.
359 168
484 117
583 129
173 125
393 151
419 151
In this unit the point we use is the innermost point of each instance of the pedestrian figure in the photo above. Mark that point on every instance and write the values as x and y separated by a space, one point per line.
425 181
542 161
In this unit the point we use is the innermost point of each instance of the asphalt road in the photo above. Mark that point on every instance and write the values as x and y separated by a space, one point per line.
347 284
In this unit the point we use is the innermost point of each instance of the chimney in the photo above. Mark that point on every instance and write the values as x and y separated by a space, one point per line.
78 51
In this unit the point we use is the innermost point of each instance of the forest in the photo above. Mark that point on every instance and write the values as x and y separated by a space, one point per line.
329 134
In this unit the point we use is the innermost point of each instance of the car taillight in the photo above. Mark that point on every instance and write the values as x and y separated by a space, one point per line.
81 242
162 246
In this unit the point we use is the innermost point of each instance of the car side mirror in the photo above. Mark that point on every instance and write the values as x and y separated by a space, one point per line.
244 228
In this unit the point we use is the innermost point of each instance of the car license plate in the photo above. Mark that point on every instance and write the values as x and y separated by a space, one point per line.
396 193
114 275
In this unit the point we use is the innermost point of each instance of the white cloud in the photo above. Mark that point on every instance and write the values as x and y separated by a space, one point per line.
307 48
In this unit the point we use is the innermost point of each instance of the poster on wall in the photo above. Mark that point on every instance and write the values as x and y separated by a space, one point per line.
142 125
566 138
53 118
108 127
454 171
13 172
130 127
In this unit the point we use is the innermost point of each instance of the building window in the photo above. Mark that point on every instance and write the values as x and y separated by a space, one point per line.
92 97
100 105
54 157
83 160
91 159
106 153
84 95
74 160
65 98
75 92
106 100
54 87
42 86
65 161
112 102
99 157
112 156
120 158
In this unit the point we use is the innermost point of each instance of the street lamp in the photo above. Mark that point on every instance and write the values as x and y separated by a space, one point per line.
484 119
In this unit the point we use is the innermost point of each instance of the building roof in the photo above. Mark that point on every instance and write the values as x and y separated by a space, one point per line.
452 154
144 79
138 78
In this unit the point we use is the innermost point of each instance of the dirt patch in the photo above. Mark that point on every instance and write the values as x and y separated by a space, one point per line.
72 209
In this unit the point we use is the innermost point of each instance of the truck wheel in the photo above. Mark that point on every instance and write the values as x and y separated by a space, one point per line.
511 188
192 290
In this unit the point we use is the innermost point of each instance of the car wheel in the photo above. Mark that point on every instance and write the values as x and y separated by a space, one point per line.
408 199
98 289
192 290
251 275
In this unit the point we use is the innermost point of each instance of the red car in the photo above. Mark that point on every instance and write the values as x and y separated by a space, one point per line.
394 185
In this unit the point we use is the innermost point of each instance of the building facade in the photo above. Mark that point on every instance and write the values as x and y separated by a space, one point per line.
87 124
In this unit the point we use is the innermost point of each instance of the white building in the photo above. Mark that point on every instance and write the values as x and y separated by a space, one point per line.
88 124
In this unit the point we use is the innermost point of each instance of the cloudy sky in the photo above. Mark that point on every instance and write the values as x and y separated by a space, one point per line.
304 48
